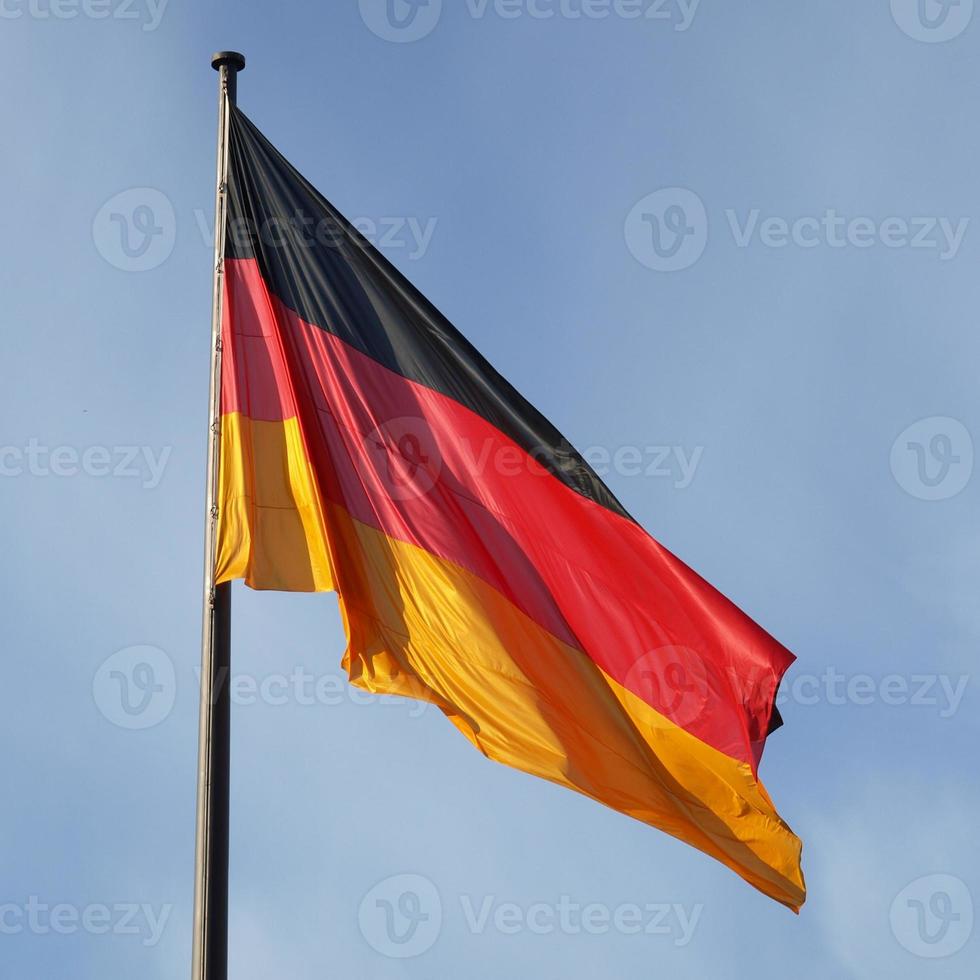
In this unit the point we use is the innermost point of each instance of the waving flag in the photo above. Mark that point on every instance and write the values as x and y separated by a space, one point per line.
481 565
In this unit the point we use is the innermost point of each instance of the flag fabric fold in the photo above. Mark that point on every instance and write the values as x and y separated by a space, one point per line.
367 448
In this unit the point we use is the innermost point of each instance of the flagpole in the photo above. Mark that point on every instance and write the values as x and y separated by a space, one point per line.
210 959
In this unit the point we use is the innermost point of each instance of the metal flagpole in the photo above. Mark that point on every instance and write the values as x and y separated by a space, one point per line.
211 864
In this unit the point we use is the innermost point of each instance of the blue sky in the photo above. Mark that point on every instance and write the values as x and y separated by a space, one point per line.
728 248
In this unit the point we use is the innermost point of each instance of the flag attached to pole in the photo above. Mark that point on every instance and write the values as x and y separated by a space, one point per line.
368 448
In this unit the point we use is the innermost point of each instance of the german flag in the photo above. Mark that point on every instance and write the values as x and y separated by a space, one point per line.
368 448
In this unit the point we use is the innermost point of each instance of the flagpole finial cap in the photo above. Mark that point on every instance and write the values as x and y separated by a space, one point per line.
234 60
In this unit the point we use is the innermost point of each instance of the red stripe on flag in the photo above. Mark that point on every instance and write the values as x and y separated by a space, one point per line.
422 468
